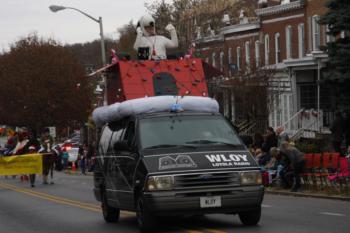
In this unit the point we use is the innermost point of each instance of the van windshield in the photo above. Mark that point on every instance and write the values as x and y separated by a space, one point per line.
186 131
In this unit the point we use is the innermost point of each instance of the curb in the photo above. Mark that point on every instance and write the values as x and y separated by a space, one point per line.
75 173
311 195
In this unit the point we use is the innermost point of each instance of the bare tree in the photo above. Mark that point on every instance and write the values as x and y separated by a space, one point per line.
248 95
127 39
188 15
89 53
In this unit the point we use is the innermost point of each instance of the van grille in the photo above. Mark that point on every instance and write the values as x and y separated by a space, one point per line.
205 180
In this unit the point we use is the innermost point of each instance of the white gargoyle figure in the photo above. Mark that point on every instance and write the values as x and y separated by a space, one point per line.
155 44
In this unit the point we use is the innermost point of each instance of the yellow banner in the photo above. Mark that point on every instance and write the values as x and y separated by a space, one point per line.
21 164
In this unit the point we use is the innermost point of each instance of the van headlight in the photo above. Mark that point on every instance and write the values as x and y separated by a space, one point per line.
158 183
251 178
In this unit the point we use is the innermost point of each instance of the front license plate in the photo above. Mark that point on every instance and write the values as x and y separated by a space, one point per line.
207 202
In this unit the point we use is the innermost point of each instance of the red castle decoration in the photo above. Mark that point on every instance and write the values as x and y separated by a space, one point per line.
137 79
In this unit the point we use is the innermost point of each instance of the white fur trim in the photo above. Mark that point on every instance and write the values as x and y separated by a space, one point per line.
105 114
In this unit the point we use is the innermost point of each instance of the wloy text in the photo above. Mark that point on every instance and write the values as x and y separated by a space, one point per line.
222 160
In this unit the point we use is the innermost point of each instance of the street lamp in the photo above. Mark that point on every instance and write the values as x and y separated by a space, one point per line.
55 8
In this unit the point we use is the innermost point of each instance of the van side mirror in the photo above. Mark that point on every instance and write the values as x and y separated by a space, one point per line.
121 145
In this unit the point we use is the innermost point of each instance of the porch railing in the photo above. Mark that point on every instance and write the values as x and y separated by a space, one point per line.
258 125
293 123
304 122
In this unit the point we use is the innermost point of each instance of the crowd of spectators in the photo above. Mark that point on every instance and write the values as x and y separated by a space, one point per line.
25 141
279 158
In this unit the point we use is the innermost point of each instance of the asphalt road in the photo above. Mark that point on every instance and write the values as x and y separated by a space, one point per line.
68 206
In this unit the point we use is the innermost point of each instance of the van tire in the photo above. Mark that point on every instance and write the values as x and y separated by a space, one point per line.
145 219
250 218
110 214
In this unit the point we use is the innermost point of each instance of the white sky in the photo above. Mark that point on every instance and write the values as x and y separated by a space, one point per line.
18 18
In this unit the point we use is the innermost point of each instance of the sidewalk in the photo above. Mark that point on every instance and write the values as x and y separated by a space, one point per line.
310 193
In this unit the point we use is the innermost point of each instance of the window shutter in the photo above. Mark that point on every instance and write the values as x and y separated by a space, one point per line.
309 22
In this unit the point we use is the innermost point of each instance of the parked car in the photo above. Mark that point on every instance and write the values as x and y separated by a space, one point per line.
72 149
73 154
75 138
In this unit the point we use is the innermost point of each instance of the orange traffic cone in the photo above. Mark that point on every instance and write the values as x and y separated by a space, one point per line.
73 167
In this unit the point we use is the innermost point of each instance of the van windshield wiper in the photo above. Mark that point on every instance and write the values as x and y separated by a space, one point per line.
169 146
205 141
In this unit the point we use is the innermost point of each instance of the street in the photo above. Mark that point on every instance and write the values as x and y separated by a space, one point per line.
69 206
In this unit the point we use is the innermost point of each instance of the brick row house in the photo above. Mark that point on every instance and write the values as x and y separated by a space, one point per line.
284 36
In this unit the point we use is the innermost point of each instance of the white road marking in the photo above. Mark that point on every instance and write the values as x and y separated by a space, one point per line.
266 206
332 214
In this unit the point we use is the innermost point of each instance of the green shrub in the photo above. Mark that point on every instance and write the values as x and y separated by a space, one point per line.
310 145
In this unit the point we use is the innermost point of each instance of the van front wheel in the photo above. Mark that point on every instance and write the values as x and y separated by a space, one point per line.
145 219
110 214
250 218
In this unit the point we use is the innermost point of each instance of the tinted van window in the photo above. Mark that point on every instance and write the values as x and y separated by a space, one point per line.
118 131
104 140
180 130
130 133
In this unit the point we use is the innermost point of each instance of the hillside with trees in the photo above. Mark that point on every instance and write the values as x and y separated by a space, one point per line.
186 15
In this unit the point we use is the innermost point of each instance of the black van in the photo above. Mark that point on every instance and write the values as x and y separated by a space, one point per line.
176 164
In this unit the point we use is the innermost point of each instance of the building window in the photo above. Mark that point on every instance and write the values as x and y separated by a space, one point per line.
222 61
308 95
316 40
267 50
285 2
329 38
238 58
257 53
289 41
229 52
342 34
247 54
229 56
278 48
213 58
301 40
